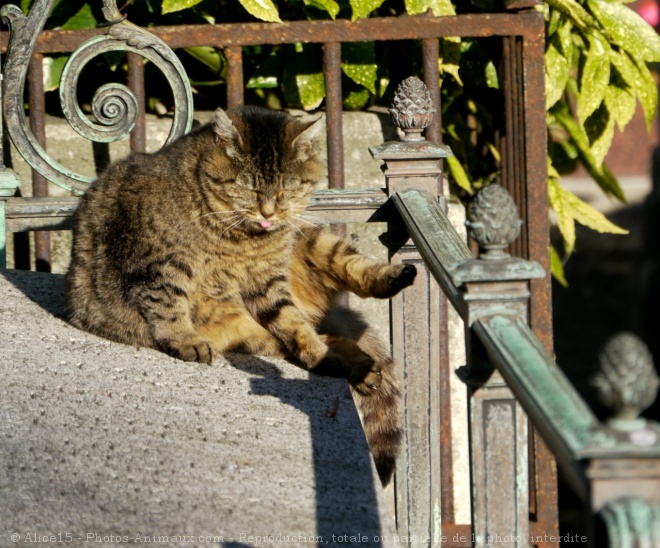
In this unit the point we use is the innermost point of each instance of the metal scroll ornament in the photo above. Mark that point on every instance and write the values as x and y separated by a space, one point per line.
114 106
493 221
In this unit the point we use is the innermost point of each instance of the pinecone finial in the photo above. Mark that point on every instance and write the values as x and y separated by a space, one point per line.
412 108
493 221
627 382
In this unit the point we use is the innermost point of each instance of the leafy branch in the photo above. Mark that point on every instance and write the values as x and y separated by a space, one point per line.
596 71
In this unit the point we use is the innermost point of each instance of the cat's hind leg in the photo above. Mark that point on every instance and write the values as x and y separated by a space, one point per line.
202 330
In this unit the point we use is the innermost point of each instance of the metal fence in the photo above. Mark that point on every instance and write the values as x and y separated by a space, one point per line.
511 465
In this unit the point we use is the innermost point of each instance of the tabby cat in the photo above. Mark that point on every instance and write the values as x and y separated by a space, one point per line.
201 249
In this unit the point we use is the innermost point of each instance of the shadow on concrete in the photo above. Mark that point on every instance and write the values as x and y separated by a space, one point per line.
43 289
336 482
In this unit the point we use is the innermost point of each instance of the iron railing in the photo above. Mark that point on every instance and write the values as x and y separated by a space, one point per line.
424 482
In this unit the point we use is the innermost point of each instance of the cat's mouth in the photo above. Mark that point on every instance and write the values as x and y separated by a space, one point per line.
265 225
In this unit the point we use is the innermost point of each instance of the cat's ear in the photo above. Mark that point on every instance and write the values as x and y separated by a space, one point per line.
302 144
226 132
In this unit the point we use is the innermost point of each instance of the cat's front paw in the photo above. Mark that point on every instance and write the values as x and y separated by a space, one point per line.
190 349
403 278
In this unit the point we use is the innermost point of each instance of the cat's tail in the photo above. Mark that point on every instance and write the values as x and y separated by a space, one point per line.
381 420
378 409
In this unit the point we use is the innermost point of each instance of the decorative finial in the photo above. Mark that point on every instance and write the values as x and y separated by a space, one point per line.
493 221
412 109
627 382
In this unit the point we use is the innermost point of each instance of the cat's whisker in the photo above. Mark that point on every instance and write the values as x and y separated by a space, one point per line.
316 222
298 229
236 212
237 223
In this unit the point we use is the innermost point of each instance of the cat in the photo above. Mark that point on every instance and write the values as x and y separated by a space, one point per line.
201 249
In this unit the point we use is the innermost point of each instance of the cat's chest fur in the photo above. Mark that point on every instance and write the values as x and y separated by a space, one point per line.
243 267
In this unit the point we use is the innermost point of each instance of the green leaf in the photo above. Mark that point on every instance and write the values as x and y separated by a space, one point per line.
170 6
620 103
83 19
556 267
362 8
311 89
600 130
592 218
262 9
113 59
627 29
269 72
565 221
558 61
209 56
554 19
53 67
638 78
578 135
647 91
594 76
458 173
358 62
329 6
492 81
356 99
450 58
569 208
557 73
438 7
572 9
303 83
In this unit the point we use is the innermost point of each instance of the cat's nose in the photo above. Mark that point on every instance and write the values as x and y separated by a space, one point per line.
267 209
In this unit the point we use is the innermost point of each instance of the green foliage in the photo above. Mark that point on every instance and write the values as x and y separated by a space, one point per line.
596 72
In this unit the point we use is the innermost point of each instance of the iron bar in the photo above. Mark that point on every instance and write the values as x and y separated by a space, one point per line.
235 88
247 34
55 213
433 133
430 54
521 174
37 102
333 113
138 137
538 244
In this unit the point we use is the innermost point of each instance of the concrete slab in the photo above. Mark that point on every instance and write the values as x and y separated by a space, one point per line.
100 441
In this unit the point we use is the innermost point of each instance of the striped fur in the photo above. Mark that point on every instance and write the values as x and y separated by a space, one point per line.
201 249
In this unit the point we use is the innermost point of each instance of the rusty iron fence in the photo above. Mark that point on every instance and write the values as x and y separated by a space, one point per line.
425 494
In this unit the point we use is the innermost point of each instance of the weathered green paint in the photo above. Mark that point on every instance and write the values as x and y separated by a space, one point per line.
9 182
632 522
550 400
435 238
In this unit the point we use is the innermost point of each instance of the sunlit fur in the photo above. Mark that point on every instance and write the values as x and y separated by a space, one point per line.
203 248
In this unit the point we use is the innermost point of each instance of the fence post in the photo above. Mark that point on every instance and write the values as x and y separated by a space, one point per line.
496 284
417 321
9 182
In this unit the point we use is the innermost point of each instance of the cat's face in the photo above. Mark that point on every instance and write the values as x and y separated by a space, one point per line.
262 171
